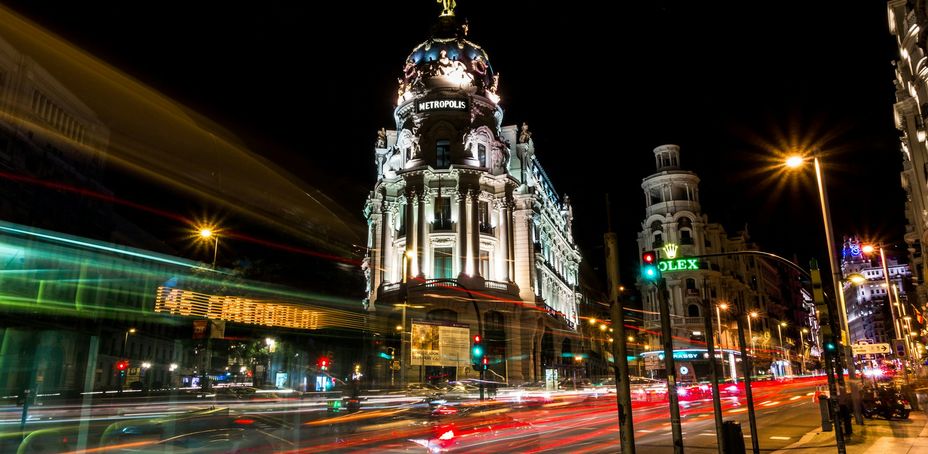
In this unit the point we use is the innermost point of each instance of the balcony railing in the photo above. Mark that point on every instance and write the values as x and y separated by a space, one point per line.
486 228
442 225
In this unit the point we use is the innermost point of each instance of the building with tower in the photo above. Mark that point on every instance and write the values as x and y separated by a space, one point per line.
675 227
868 313
466 232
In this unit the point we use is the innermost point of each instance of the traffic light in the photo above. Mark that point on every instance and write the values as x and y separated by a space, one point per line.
323 363
121 367
649 271
478 353
831 344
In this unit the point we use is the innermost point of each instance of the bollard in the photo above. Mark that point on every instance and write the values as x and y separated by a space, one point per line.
823 406
734 438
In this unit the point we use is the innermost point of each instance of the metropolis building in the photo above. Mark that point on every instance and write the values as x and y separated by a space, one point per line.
465 229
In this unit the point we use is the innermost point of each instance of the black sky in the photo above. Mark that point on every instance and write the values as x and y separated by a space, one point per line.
600 83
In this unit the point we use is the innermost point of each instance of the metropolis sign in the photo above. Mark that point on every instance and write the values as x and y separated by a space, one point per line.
684 264
441 104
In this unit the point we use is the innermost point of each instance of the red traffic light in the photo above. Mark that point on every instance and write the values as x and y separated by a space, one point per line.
477 339
122 365
648 257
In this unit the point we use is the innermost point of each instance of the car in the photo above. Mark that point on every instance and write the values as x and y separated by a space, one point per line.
193 429
470 428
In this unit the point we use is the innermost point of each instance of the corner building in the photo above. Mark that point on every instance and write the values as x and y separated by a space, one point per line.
463 221
675 226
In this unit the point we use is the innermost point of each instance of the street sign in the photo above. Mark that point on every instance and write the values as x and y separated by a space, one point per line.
871 349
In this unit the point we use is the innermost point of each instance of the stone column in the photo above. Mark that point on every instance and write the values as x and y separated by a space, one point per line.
410 226
386 244
420 236
511 262
475 229
502 226
462 230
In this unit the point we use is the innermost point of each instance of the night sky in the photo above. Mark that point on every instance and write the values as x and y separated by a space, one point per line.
600 84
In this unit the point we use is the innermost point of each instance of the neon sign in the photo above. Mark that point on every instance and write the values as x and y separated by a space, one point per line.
684 264
441 104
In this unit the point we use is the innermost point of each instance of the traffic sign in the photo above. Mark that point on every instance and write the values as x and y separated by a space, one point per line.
871 349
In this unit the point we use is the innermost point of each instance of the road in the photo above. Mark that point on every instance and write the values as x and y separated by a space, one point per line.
534 422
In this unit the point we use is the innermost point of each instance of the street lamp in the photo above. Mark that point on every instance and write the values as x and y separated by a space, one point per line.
125 340
271 347
796 161
718 316
780 327
402 329
802 340
752 314
209 232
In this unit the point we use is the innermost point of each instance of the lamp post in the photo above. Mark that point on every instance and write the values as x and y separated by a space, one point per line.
802 340
796 161
207 233
125 340
780 337
271 347
402 329
718 315
752 314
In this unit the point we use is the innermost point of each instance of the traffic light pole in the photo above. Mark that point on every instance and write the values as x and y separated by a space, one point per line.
620 353
669 367
747 368
827 326
713 373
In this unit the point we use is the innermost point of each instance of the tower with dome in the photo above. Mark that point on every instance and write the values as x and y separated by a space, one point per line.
466 233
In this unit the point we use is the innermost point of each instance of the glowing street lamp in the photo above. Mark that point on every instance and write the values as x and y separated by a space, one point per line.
208 232
752 314
796 161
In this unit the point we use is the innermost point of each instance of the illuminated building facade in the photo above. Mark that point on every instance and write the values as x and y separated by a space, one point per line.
868 315
675 227
463 211
907 23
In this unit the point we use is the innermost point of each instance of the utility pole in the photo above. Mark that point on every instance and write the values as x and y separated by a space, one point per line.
619 346
669 367
827 327
713 374
747 367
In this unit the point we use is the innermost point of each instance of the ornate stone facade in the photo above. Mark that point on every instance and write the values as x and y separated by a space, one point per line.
463 216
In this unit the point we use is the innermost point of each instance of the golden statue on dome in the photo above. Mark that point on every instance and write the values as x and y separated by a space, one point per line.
447 7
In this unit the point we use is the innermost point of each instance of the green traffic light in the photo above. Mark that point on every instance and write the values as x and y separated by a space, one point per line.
477 351
649 272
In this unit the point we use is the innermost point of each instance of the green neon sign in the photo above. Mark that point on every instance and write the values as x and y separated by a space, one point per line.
684 264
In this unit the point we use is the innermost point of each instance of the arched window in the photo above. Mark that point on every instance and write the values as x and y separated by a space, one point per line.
658 234
692 310
442 154
482 154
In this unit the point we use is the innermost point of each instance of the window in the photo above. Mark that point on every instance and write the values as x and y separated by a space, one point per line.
685 237
658 240
401 222
691 286
442 214
482 154
485 264
484 218
692 310
442 154
442 263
